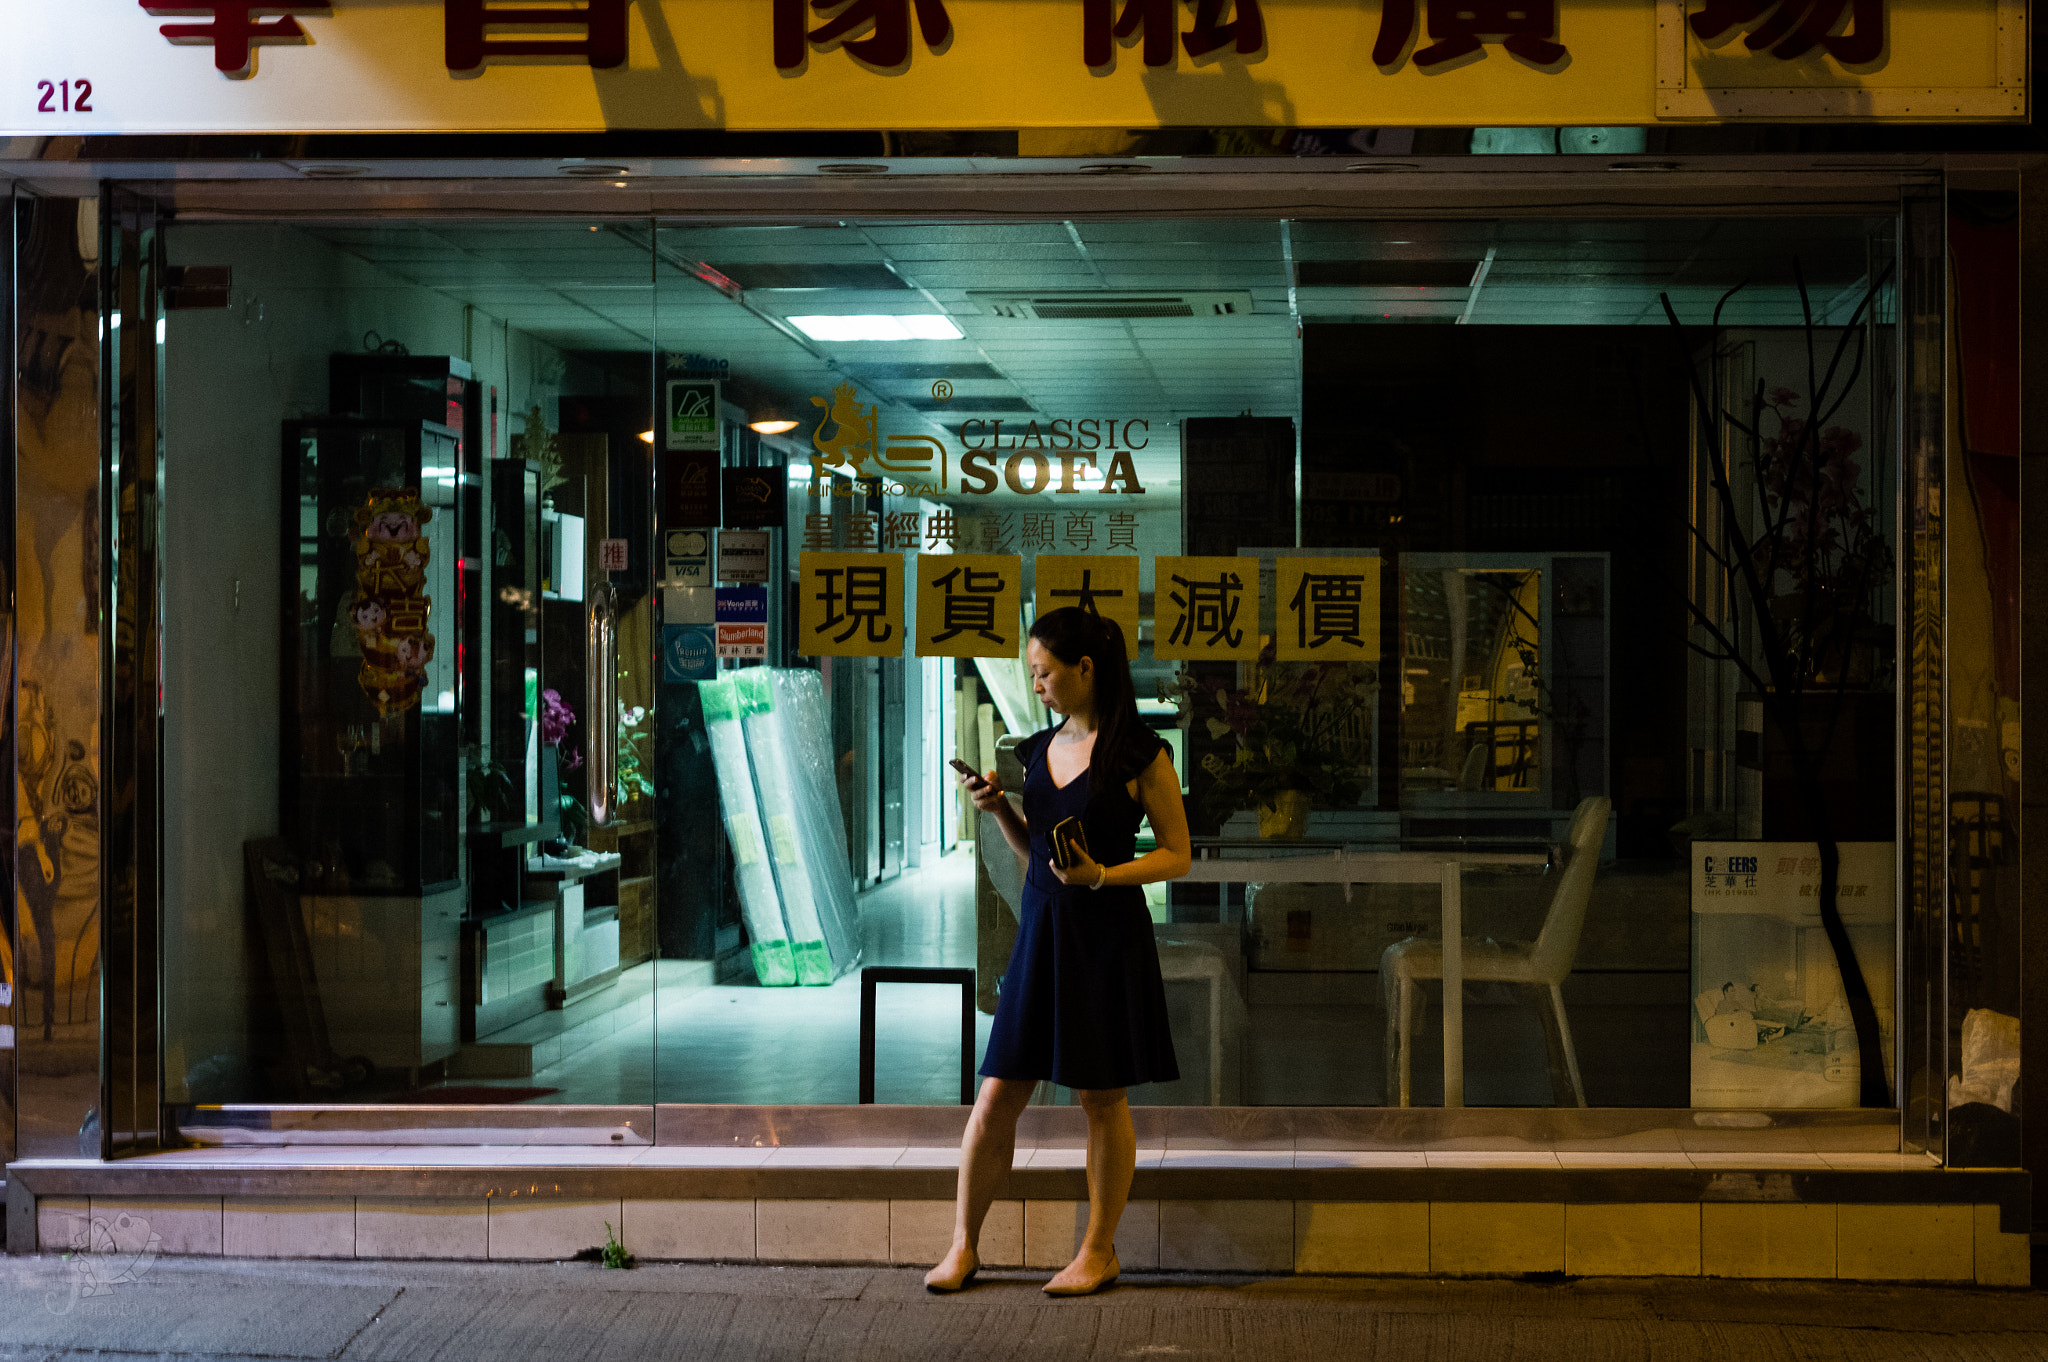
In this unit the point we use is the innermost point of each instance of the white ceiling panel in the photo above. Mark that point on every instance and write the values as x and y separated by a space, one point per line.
580 288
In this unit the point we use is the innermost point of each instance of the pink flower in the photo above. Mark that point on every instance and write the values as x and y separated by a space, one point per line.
1240 712
555 718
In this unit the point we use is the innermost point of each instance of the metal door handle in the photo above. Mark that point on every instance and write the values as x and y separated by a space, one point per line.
601 703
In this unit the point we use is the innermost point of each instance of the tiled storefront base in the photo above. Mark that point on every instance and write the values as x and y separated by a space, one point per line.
1907 1240
1408 1191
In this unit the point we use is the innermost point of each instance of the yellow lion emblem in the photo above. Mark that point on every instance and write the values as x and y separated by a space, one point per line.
853 433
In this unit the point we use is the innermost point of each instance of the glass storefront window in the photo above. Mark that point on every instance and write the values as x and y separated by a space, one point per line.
623 657
371 440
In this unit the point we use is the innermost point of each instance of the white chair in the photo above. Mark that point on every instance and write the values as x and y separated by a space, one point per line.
1473 776
1545 963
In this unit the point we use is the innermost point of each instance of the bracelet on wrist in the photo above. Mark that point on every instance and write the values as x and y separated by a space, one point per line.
1102 878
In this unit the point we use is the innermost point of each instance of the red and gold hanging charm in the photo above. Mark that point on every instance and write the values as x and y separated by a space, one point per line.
390 607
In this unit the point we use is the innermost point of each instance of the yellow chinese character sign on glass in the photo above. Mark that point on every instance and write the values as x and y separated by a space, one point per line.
1205 609
1327 609
969 604
1105 585
851 606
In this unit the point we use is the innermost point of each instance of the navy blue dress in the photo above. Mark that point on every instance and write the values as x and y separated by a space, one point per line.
1082 1002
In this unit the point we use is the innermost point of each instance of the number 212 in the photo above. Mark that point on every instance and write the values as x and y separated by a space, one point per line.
62 90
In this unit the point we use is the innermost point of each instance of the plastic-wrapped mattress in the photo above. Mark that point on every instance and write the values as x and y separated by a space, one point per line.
805 722
760 904
789 741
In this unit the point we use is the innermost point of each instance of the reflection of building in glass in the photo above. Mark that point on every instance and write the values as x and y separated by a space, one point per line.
1425 674
1471 680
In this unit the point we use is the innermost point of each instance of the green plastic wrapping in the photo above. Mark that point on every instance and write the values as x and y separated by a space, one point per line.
809 860
760 904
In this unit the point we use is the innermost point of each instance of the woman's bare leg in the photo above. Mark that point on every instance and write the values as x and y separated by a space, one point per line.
986 1153
1112 1159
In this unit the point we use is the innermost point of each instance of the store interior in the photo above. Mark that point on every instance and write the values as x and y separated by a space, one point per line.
493 848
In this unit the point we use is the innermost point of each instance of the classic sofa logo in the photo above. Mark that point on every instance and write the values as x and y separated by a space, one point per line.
909 465
1020 459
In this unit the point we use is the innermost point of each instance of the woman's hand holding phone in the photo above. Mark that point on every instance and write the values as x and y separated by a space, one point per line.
986 792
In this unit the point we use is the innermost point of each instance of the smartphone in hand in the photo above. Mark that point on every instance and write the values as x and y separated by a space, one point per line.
975 779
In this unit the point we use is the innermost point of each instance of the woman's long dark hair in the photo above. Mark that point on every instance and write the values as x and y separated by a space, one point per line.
1070 634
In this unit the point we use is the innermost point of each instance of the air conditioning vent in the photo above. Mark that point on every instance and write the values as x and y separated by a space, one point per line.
1099 306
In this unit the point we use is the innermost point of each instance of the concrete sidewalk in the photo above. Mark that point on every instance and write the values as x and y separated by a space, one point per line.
452 1312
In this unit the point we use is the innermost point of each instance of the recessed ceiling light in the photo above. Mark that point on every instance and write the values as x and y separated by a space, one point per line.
772 427
871 327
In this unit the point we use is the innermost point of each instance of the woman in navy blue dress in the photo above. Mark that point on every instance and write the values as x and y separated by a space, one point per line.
1082 1003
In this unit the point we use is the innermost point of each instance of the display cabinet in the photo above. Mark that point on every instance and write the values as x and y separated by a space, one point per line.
386 966
371 786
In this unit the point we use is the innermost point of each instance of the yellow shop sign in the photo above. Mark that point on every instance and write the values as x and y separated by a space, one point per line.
473 66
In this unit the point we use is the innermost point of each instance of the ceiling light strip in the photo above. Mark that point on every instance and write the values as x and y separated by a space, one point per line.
1478 282
1287 260
868 327
1300 413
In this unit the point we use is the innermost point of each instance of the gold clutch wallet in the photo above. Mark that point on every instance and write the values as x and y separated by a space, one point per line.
1069 843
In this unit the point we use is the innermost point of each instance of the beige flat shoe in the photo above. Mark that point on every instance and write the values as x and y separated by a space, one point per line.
947 1289
1087 1288
939 1289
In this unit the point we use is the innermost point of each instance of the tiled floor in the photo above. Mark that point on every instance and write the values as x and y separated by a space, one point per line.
798 1046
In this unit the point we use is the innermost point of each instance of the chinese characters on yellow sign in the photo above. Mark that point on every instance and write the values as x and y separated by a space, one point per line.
851 605
492 65
968 604
1326 609
1207 609
1105 586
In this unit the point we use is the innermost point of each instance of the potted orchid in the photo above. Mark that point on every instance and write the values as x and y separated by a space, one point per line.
1296 736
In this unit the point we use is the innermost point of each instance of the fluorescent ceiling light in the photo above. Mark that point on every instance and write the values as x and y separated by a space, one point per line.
871 327
772 427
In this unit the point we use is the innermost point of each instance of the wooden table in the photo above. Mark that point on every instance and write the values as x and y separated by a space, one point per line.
1347 867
